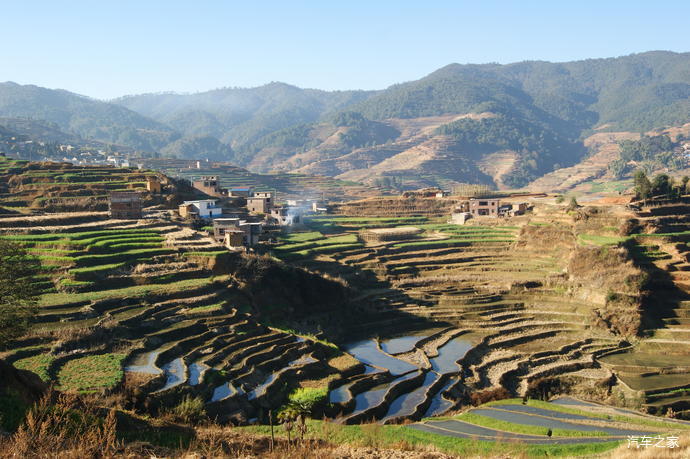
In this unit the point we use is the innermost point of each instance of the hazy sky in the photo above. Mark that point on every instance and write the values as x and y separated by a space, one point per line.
109 48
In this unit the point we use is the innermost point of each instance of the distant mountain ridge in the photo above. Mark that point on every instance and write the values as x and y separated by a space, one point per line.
77 115
452 125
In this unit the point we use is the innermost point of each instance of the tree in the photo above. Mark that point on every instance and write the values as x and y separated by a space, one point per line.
18 291
643 187
573 205
662 185
618 168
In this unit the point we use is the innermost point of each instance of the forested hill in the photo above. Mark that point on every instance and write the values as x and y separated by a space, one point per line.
499 124
636 92
241 115
68 114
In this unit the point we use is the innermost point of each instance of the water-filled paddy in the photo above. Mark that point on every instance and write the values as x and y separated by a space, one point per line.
340 394
374 396
223 391
196 371
174 372
145 363
366 351
400 344
449 354
405 404
439 404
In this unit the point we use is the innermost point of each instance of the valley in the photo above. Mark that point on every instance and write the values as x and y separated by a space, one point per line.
381 310
490 260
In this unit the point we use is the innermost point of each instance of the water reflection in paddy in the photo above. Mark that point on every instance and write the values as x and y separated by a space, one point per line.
374 396
440 405
340 394
401 343
224 391
449 354
174 371
366 351
145 363
196 370
405 404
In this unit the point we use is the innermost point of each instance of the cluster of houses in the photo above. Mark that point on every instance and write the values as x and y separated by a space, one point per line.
242 229
486 207
239 216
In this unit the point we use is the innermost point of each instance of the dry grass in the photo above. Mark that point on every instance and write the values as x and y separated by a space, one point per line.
343 362
63 426
66 426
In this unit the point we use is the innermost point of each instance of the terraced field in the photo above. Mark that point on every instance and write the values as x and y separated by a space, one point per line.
461 309
135 304
564 421
64 187
289 185
655 370
438 322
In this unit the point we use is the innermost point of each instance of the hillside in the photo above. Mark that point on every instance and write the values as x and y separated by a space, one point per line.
156 319
503 125
239 116
65 115
541 114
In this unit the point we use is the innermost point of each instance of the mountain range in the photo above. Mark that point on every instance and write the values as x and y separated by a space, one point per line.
498 124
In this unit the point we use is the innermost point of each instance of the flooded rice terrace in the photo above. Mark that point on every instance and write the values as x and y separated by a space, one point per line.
394 385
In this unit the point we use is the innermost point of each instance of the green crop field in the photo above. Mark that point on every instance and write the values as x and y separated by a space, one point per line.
91 372
388 436
485 421
38 364
135 291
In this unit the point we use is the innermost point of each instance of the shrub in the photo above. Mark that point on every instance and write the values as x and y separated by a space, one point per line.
489 395
189 410
309 399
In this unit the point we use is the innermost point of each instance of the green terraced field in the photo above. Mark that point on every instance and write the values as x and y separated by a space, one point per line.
92 372
38 364
135 291
92 254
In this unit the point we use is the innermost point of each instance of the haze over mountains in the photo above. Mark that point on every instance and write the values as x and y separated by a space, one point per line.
490 123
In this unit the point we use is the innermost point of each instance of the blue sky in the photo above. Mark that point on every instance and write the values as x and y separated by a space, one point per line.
109 48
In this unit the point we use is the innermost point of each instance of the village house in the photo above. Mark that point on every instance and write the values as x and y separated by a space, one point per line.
484 207
512 209
125 205
222 225
319 206
259 204
153 185
262 194
234 239
233 232
459 217
208 184
286 216
252 232
241 192
203 208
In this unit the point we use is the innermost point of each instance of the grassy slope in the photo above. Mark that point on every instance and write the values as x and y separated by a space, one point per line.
392 436
565 409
